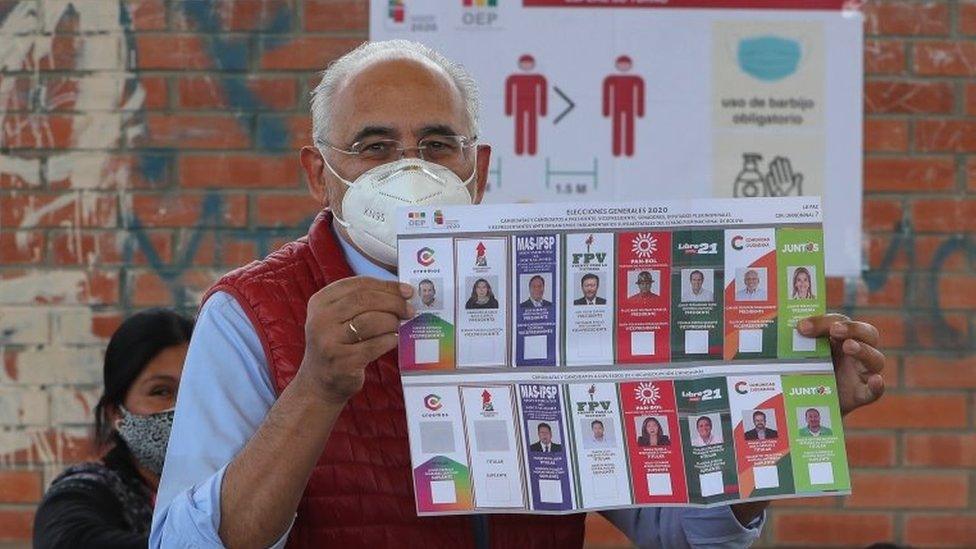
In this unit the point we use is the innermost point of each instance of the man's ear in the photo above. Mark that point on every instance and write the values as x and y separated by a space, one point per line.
314 166
481 177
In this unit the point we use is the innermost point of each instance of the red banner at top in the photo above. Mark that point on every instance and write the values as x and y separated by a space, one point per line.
712 4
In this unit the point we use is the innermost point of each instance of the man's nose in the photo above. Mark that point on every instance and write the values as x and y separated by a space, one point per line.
410 152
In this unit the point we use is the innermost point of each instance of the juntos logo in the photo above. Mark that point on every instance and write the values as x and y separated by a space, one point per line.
808 247
811 391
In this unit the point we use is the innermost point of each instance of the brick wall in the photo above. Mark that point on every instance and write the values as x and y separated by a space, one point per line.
148 146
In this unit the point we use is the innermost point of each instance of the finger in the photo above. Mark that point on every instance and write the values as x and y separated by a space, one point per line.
373 323
375 347
852 329
341 288
876 385
355 304
872 359
817 326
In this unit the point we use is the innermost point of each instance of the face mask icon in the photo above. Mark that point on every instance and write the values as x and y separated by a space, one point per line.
769 58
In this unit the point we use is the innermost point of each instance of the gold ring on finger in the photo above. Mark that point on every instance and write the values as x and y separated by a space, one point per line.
355 332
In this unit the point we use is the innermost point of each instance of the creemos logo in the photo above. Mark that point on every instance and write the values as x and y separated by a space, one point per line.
742 387
433 402
425 256
737 242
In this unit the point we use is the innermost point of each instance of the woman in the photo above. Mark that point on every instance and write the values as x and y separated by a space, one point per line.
802 287
481 296
109 503
652 434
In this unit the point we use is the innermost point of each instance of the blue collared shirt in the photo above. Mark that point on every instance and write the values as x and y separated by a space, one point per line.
225 394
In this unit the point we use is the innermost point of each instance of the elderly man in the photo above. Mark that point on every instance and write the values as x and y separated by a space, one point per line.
290 422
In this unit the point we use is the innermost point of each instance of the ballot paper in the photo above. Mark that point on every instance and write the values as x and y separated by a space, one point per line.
762 442
537 300
588 299
654 440
569 358
698 262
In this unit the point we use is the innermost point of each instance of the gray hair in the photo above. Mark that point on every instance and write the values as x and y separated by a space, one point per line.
341 69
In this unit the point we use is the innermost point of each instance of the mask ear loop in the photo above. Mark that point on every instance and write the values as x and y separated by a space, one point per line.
335 215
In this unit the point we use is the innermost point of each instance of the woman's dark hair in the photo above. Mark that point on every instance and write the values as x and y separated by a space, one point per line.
138 340
474 289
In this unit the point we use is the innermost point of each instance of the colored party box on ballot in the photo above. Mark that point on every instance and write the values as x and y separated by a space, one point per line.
569 357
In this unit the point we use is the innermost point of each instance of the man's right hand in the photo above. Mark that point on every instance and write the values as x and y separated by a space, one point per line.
351 323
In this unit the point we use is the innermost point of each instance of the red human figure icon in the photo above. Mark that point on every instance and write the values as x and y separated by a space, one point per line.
525 98
623 100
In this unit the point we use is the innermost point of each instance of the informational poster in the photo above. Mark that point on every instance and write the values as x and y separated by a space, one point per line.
629 100
590 368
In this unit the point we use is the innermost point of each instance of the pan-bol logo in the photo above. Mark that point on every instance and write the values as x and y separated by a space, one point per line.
737 242
644 245
742 387
647 393
425 256
433 402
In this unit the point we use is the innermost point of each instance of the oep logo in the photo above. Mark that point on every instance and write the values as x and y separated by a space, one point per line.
479 13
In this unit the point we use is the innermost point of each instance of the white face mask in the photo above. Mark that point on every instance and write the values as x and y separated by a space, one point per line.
370 203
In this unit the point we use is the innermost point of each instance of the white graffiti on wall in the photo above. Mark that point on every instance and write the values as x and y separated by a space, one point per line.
48 390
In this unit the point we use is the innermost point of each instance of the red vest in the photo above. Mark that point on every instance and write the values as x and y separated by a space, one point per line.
360 493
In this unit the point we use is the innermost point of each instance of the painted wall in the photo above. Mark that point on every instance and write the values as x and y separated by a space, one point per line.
146 147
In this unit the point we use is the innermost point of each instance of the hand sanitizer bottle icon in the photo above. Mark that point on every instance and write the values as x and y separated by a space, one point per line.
749 182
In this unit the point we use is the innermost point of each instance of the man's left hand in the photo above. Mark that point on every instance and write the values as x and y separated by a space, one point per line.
857 361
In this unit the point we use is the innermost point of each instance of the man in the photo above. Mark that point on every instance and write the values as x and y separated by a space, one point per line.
537 287
255 459
704 431
759 430
697 291
598 436
752 291
590 284
545 443
645 287
428 293
813 428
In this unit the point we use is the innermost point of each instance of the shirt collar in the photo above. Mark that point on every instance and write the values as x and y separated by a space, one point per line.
358 263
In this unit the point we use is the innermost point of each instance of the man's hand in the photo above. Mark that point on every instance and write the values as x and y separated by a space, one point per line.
351 323
857 361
